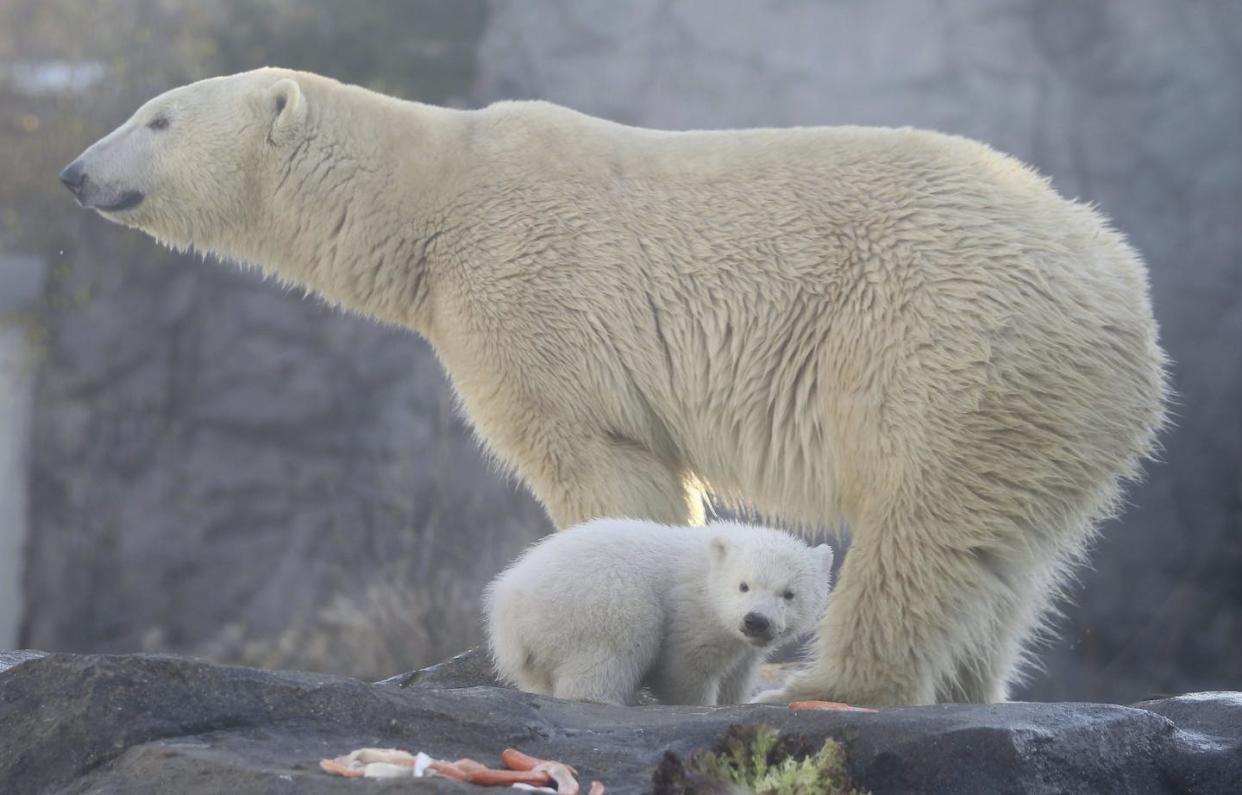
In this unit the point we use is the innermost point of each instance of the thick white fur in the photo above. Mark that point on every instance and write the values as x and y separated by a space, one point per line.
597 611
897 330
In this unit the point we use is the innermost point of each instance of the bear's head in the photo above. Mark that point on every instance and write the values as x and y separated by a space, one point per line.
767 586
189 167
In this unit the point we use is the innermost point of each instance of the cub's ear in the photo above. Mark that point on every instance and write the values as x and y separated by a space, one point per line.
824 553
718 550
286 107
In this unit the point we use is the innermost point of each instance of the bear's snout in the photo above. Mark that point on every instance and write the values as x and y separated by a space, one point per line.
756 626
94 194
73 177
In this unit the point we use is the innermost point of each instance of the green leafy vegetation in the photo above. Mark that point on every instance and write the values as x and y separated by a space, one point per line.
761 760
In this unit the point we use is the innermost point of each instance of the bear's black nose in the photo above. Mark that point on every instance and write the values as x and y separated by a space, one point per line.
756 626
74 177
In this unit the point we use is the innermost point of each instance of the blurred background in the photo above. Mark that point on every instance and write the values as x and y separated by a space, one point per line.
193 460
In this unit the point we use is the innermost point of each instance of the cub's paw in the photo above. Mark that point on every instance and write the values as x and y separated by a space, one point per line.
777 695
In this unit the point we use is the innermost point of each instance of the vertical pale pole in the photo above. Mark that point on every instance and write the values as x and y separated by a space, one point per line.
21 288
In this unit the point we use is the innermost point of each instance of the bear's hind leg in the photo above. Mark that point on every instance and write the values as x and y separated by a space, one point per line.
981 678
914 620
984 674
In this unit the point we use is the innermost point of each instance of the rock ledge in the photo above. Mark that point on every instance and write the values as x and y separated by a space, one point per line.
74 723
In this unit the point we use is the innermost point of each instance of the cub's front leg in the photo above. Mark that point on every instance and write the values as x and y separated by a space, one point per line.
680 681
739 682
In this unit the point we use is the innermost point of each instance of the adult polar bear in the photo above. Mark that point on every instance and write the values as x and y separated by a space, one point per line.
897 330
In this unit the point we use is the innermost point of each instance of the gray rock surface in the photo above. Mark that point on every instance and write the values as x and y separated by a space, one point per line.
471 668
168 724
10 658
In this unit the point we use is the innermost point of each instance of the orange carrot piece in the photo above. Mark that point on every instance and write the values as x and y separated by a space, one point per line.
467 765
490 778
516 760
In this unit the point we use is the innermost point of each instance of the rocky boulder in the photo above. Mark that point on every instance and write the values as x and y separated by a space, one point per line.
79 723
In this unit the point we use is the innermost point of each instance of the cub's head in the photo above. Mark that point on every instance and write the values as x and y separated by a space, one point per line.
766 585
189 166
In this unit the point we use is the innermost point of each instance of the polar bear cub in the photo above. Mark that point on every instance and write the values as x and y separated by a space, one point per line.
596 612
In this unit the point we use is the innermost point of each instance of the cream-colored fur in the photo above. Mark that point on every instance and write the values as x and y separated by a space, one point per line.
895 330
599 610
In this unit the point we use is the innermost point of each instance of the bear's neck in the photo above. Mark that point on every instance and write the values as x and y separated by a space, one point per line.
354 212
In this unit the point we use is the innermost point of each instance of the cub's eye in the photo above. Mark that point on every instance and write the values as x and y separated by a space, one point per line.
787 596
158 123
743 587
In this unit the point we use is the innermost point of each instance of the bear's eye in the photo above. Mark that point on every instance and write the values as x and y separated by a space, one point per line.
787 596
743 587
158 123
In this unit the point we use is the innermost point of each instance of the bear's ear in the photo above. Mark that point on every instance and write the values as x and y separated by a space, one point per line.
718 550
286 107
823 553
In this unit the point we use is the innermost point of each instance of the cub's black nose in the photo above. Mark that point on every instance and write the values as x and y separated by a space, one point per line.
756 626
74 176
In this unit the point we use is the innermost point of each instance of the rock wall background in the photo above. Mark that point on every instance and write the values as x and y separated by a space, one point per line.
223 468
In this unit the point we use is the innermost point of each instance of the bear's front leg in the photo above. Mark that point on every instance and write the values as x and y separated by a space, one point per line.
737 684
681 680
613 478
